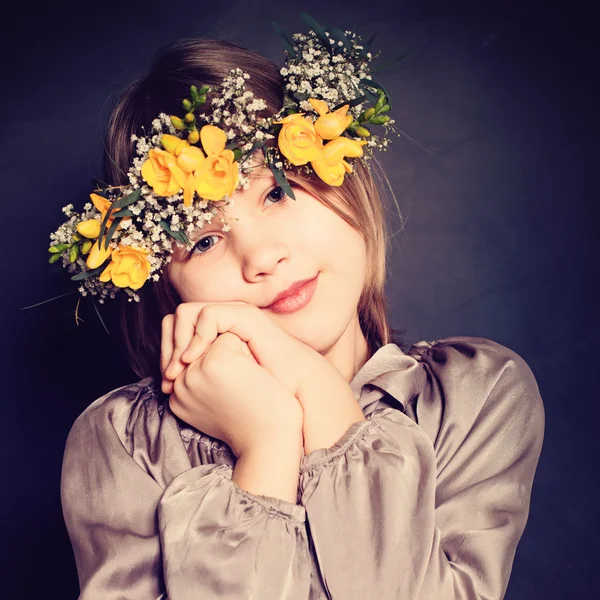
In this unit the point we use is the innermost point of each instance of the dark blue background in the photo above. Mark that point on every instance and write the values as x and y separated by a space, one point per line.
499 234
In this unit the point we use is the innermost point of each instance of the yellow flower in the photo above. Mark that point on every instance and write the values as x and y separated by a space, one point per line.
129 267
217 176
330 125
98 255
298 139
91 228
331 166
189 159
168 172
162 173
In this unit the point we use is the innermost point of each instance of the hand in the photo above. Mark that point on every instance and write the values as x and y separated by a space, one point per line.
227 395
187 335
327 401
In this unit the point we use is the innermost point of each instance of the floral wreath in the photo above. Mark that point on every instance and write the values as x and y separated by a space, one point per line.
124 237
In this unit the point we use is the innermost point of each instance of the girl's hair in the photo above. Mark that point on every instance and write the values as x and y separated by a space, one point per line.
200 62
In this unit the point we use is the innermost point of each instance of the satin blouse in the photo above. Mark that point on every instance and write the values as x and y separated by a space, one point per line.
426 499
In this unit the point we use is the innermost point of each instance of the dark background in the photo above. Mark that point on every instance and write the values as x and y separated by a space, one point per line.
499 238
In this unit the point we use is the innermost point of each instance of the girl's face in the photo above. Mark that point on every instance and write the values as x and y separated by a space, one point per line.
275 242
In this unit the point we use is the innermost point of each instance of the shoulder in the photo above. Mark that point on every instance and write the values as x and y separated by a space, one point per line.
464 360
118 411
470 378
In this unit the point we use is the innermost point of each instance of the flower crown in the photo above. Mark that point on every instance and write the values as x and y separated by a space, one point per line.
188 163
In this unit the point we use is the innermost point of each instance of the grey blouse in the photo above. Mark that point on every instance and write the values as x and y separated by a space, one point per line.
424 500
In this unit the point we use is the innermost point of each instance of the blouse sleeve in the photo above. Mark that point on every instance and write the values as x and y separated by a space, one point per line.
431 510
199 536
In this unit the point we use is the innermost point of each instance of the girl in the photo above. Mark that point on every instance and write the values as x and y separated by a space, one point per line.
280 445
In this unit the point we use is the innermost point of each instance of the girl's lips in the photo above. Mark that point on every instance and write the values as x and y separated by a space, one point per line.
299 299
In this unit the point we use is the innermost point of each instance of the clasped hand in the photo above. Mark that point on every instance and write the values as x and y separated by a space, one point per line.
232 373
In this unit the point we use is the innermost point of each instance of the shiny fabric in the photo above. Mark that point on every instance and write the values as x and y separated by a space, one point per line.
424 500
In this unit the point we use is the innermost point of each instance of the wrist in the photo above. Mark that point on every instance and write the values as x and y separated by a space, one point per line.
329 411
270 468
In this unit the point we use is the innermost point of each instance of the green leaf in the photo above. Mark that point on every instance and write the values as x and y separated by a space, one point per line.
255 147
367 46
387 65
286 40
351 103
177 235
103 226
371 96
100 316
91 272
127 200
231 145
339 35
111 231
320 32
289 102
375 84
281 179
125 212
301 95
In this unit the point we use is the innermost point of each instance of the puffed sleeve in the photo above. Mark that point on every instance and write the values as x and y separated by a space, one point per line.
431 508
139 533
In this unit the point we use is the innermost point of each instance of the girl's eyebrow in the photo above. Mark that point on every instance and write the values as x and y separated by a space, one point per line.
262 174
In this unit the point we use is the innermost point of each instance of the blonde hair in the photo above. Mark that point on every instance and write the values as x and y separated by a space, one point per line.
358 201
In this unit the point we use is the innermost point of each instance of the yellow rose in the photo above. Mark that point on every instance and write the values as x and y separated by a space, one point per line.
330 125
217 176
331 166
298 140
162 173
129 267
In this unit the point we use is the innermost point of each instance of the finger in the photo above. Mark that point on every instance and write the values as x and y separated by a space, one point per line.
205 336
166 386
166 342
183 332
214 320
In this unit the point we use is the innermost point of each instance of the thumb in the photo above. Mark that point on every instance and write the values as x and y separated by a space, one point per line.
232 342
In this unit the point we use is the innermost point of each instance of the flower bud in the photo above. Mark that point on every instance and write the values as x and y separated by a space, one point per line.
177 123
58 248
202 99
187 104
76 237
86 246
194 93
362 131
368 113
189 118
203 90
73 253
54 258
384 109
379 120
193 136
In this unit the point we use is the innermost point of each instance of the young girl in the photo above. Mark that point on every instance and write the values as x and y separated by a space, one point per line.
279 444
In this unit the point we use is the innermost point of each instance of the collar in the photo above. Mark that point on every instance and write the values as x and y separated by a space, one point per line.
389 378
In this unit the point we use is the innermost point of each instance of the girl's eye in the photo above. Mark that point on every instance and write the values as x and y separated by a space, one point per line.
279 194
203 246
